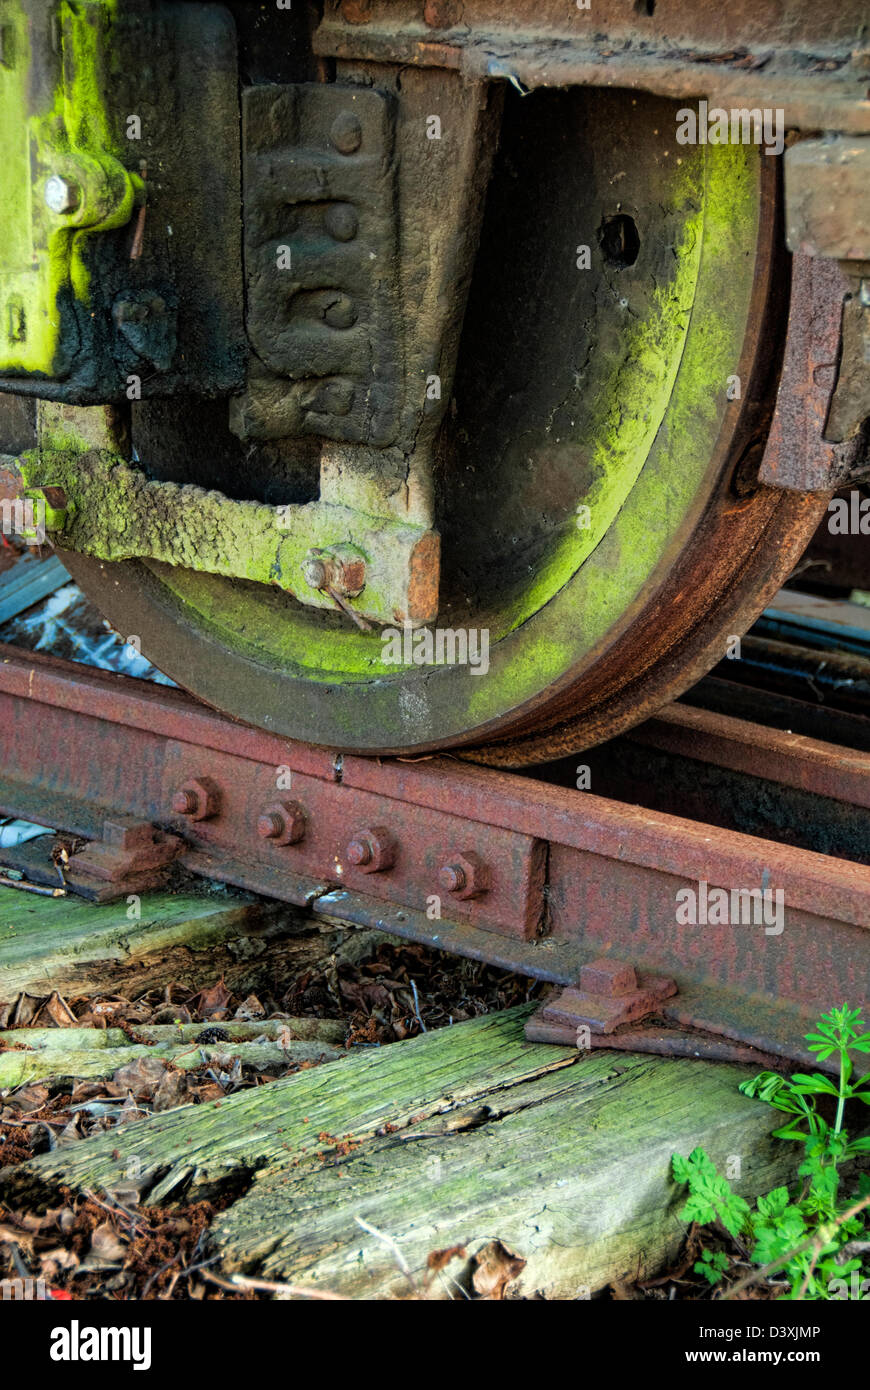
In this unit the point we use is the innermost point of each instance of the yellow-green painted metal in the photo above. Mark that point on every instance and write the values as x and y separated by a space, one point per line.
100 505
54 126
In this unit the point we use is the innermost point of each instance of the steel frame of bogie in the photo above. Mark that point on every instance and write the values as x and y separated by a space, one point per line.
549 881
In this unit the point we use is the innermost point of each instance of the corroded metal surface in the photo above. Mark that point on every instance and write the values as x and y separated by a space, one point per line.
808 58
797 456
560 879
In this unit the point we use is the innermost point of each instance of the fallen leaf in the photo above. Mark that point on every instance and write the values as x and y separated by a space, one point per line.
496 1268
210 1002
172 1089
250 1009
141 1077
57 1011
106 1249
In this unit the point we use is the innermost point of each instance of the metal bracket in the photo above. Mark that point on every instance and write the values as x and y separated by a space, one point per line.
133 856
827 189
120 235
96 503
320 264
607 995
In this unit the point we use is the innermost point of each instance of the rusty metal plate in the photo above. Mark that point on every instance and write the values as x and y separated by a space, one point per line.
807 58
797 456
427 842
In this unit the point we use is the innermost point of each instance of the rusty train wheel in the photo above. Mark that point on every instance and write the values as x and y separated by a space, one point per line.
599 515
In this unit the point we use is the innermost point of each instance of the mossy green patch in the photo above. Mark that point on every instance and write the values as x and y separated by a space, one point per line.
64 130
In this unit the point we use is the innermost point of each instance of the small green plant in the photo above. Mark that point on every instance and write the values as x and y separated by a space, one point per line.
804 1234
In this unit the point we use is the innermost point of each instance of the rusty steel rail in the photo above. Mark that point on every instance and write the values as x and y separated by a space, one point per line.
561 885
793 760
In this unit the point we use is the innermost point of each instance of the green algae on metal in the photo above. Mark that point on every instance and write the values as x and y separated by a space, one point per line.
332 678
70 134
668 488
536 655
118 513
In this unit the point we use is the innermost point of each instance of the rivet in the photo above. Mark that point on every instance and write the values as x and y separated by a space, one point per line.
341 221
346 132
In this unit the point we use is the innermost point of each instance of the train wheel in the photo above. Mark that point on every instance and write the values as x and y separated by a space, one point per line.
602 530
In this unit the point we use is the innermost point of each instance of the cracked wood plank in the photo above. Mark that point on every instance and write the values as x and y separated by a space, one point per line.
77 947
95 1054
458 1137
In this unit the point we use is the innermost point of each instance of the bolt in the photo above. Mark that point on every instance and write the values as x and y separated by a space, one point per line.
452 878
372 850
359 852
283 822
466 876
342 569
126 832
200 799
341 221
611 978
346 133
61 196
314 571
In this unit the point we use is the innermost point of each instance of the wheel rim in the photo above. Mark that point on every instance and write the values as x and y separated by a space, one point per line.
646 439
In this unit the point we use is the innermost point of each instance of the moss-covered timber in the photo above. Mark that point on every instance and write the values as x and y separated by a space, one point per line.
458 1137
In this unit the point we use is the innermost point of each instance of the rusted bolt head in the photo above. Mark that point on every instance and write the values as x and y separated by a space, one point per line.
608 977
314 571
465 876
346 132
61 195
342 569
372 850
283 822
200 798
126 832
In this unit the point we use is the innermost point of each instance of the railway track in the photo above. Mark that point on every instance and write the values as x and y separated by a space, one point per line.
676 933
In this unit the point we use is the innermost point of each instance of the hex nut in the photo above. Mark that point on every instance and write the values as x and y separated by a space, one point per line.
465 876
282 822
372 849
198 799
61 195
